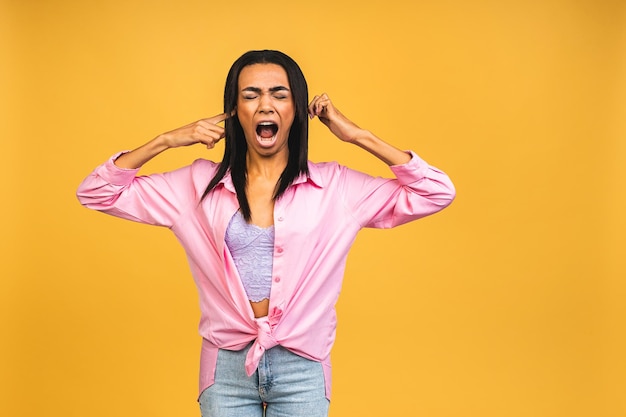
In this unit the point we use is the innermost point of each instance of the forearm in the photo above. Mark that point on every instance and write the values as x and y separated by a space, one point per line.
138 157
387 153
205 131
347 131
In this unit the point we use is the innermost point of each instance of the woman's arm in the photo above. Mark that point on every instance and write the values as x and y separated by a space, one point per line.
205 131
347 131
157 199
418 190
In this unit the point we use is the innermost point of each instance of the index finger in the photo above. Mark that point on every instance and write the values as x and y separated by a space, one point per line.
220 117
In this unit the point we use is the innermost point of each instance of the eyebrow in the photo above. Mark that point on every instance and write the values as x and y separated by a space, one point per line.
272 90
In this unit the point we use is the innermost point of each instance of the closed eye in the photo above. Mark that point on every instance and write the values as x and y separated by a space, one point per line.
279 92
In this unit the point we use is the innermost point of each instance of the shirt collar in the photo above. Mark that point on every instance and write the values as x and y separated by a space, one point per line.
227 182
314 177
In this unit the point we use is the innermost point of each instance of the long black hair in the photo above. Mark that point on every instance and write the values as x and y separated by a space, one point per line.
235 142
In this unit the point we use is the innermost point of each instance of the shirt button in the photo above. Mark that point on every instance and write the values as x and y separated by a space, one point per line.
280 219
277 279
279 250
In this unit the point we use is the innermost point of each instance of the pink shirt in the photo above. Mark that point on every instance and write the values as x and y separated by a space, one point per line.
316 222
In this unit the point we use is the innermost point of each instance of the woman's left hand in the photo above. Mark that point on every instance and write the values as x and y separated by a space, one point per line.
340 125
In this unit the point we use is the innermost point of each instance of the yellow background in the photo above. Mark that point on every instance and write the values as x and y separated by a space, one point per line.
508 303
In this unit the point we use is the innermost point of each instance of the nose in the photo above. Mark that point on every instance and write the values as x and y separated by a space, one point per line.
265 104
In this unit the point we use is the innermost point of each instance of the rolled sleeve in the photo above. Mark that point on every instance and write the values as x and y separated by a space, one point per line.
418 190
414 170
115 175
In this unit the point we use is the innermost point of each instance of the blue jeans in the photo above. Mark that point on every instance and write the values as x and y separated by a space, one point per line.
284 385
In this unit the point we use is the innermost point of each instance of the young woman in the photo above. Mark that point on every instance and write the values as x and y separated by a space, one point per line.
266 232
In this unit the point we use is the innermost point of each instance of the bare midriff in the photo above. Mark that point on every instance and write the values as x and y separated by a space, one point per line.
260 308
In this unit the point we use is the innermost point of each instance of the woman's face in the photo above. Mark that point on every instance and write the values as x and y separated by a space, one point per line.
265 108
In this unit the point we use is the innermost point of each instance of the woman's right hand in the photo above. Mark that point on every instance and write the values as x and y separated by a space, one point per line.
205 131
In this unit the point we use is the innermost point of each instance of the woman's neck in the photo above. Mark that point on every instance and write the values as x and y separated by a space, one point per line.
269 168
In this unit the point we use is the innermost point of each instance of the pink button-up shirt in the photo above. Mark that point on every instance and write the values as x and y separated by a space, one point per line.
315 222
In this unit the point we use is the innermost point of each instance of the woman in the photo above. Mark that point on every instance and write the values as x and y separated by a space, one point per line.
266 232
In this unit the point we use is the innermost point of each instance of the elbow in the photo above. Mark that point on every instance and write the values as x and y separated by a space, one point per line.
445 195
81 196
450 193
84 199
91 198
85 193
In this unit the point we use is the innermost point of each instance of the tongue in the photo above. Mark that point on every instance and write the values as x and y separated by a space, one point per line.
266 132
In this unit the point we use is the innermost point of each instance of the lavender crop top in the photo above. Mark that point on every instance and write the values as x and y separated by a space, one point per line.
252 248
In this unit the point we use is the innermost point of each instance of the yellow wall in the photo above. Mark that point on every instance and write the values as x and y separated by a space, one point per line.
509 303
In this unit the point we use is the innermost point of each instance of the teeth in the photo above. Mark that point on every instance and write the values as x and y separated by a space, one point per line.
266 124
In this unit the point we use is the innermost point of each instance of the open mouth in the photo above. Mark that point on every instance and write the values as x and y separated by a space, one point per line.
266 131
